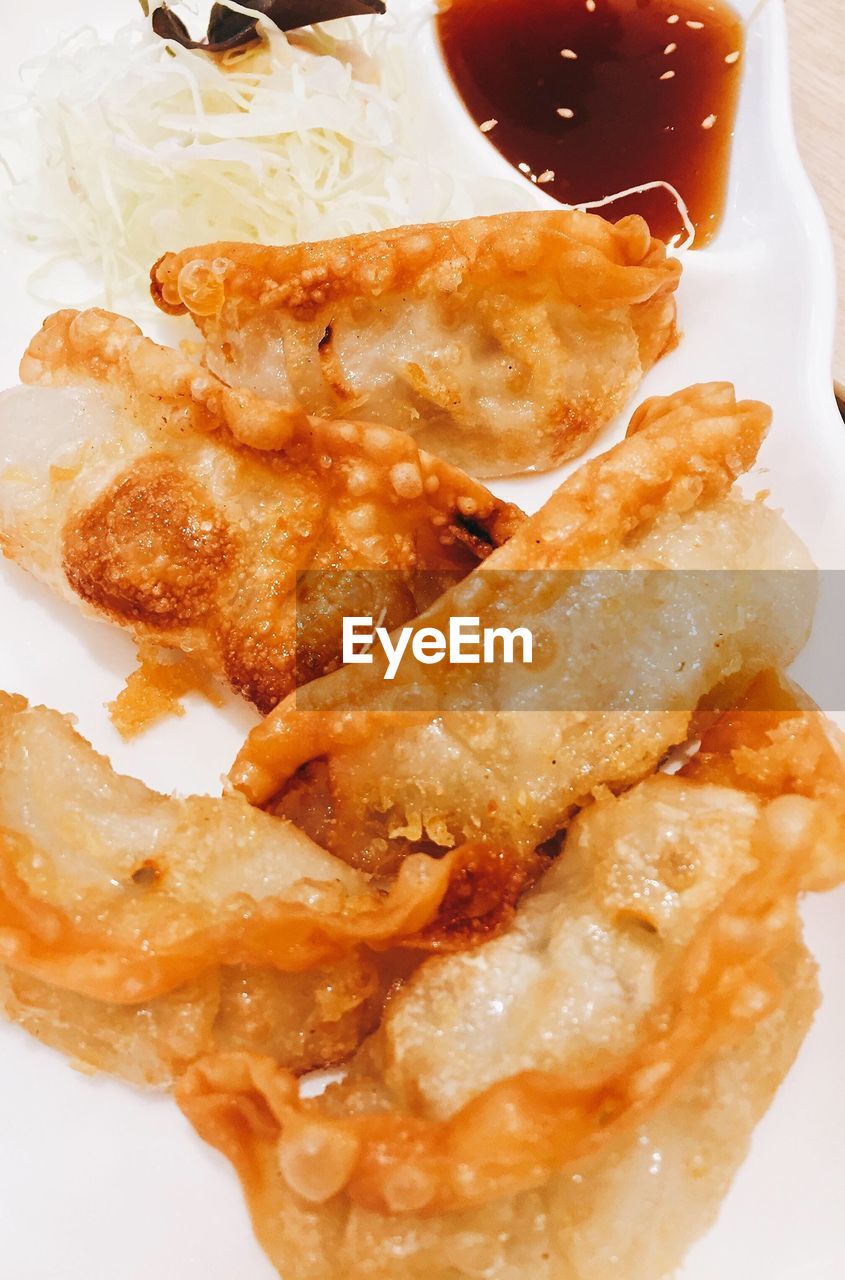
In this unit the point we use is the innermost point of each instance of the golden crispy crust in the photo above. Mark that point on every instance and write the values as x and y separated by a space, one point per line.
503 343
593 257
306 1022
139 932
514 1134
634 1210
212 567
149 917
680 452
189 548
96 957
111 349
434 905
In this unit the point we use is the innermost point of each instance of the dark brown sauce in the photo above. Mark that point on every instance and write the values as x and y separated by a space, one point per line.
584 103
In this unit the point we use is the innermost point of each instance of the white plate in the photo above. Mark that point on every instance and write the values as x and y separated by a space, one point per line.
99 1182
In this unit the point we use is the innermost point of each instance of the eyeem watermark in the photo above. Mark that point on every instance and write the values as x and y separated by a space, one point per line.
561 640
466 643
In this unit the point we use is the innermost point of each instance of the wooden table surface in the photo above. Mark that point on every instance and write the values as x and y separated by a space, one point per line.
817 36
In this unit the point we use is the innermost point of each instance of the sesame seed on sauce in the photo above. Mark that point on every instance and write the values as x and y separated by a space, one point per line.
590 97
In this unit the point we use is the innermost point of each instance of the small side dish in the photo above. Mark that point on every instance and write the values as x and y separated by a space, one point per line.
119 146
599 97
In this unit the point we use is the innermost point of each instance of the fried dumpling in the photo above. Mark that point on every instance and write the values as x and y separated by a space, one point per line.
137 483
138 930
503 344
626 653
573 1098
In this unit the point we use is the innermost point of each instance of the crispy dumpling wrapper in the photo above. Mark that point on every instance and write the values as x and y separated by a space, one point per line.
633 579
304 1021
649 997
628 1214
502 343
134 482
174 925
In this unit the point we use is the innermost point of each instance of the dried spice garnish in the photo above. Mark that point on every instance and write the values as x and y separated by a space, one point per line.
228 29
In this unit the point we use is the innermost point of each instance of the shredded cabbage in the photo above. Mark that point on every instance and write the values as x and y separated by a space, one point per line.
678 243
127 146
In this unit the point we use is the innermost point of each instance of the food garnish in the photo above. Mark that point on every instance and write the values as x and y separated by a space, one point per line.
230 29
125 145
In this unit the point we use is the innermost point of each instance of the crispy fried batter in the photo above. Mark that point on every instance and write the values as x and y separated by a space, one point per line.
155 689
621 661
629 1213
131 920
137 482
649 999
502 343
304 1021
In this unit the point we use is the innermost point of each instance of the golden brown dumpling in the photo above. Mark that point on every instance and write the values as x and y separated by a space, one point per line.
139 931
135 482
624 653
571 1100
503 343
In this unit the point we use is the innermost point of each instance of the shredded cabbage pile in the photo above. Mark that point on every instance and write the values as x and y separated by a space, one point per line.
125 147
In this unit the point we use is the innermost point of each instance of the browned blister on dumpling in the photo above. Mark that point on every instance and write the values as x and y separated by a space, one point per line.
139 931
501 343
136 482
572 1098
623 653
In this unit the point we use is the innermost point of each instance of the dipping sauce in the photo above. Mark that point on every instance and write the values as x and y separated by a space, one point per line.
591 97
